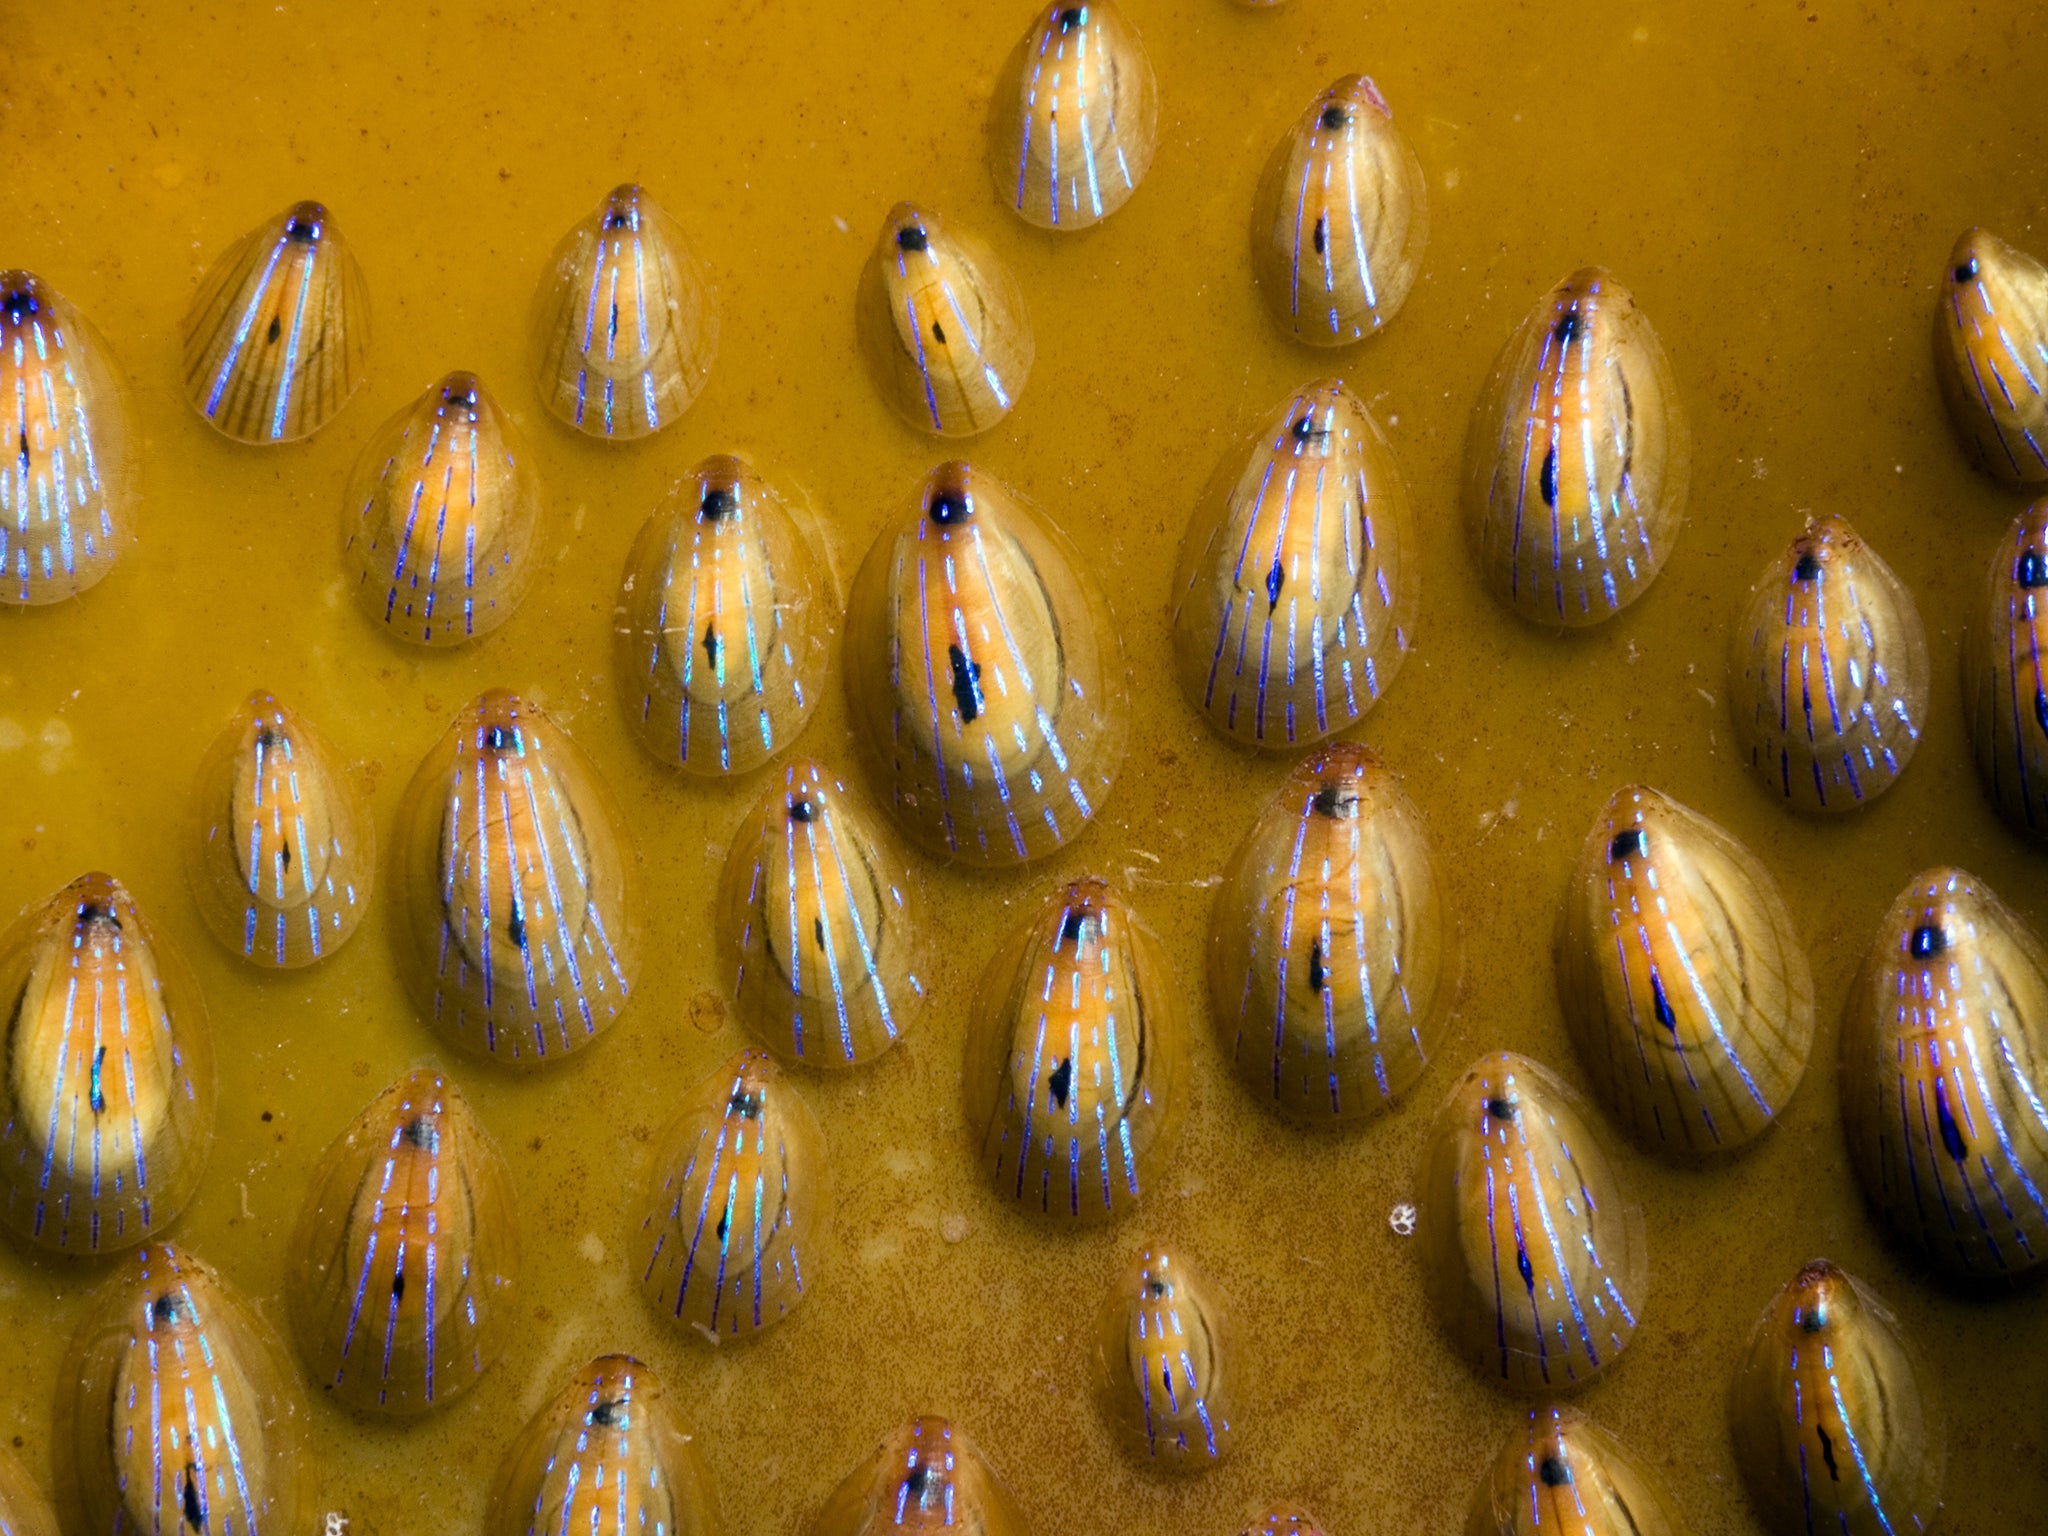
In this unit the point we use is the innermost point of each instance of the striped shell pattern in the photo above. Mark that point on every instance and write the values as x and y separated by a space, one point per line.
1164 1364
925 1476
1991 355
1561 1472
2005 676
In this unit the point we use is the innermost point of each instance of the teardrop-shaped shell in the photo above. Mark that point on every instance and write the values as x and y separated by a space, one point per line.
178 1410
821 920
985 676
721 627
611 1455
23 1509
67 493
738 1202
1827 673
1833 1417
1533 1246
440 517
108 1088
276 338
2005 676
1298 576
1076 1070
1945 1077
926 1476
517 895
1341 218
624 324
407 1253
942 325
1686 990
1332 960
1991 355
1561 1472
1164 1367
286 852
1074 118
1579 456
1282 1519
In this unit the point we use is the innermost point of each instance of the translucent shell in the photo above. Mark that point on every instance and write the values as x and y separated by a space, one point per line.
1562 1472
108 1090
1163 1363
440 518
821 919
178 1411
1534 1247
942 325
1834 1423
1077 1051
610 1456
1074 118
985 676
1945 1077
1298 577
407 1253
1827 675
23 1509
1578 459
276 339
739 1199
69 486
1991 355
1686 990
519 903
721 626
2005 676
1282 1519
286 852
624 324
1340 219
1332 967
926 1476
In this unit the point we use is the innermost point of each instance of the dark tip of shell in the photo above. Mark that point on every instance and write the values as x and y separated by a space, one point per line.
911 238
461 390
1813 1318
1807 567
424 1132
801 809
499 738
305 223
1335 801
622 208
1567 328
1501 1109
949 506
1928 940
1336 117
1627 845
717 501
1556 1472
2031 571
1967 271
745 1102
19 302
1073 16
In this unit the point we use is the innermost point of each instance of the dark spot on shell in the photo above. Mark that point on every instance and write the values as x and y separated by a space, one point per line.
711 646
1073 16
801 809
724 1223
1662 1003
911 238
966 684
97 912
745 1102
19 303
1556 1472
194 1505
1307 430
949 506
461 391
1629 844
1275 579
424 1132
168 1308
1501 1109
1337 802
1827 1452
497 738
1335 117
1567 328
398 1286
1316 974
1061 1081
1814 1318
818 931
938 333
1807 567
920 1482
1322 233
96 1094
276 330
1951 1133
1155 1287
1927 941
621 214
611 1413
1967 270
1528 1270
24 446
1548 478
2031 571
303 227
515 928
717 501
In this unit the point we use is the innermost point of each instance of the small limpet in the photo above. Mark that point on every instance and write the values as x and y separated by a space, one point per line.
1561 1472
1164 1364
1991 355
925 1476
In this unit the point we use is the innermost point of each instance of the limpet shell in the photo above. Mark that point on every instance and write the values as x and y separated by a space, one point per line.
1282 1519
1991 355
1561 1472
1827 673
1686 990
1332 961
1164 1366
1533 1245
925 1476
407 1253
1832 1415
106 1106
2005 676
1298 581
1577 463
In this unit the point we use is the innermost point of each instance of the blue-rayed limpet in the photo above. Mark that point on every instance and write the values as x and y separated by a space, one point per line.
518 901
1297 587
440 517
1945 1076
276 339
1686 991
1833 1416
178 1411
723 617
624 324
23 1509
1077 1058
1332 960
942 325
1533 1247
609 1455
68 490
406 1258
1340 219
985 677
1578 459
2005 676
285 853
737 1204
1561 1472
1164 1363
1074 118
925 1476
819 920
1282 1519
1991 355
1827 672
106 1106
